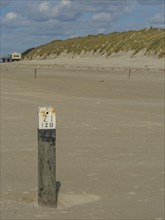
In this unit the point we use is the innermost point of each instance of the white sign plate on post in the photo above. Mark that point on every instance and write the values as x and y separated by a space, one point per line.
47 118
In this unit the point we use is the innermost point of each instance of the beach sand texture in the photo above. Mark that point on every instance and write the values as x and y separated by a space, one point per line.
110 139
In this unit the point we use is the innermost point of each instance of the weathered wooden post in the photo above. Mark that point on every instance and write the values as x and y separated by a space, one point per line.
47 157
129 74
35 73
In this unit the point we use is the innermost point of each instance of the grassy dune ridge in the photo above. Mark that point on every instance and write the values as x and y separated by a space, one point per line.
150 41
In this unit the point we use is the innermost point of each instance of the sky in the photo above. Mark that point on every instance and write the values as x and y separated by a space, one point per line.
29 23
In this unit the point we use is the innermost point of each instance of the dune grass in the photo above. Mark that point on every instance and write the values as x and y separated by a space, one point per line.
151 41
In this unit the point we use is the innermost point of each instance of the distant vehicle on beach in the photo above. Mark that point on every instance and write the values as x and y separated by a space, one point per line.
11 57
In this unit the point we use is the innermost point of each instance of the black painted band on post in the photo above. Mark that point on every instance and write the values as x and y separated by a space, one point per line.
47 135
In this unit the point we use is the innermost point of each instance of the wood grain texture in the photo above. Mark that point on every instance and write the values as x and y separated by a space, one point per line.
46 167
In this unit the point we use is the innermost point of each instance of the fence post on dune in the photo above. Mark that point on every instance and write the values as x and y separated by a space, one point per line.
47 157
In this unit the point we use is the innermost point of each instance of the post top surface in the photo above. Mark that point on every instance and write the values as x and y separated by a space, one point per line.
46 107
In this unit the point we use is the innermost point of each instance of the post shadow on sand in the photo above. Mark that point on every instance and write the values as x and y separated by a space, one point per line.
58 185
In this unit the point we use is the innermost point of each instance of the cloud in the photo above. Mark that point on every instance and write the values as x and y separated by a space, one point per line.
4 3
111 12
158 19
44 7
102 17
110 6
69 10
11 16
13 19
151 2
57 10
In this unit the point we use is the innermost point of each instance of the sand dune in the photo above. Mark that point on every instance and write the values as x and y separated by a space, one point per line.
88 61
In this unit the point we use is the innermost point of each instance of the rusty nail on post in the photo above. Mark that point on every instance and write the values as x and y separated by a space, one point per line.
47 156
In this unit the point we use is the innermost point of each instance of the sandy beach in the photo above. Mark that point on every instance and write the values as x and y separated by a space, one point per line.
110 137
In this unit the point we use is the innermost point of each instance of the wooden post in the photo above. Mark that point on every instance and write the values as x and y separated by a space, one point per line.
35 73
129 74
47 157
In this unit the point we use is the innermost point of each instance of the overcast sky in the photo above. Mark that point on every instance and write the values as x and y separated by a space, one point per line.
30 23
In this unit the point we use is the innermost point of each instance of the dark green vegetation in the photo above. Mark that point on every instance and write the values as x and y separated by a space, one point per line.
151 41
